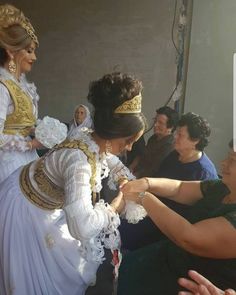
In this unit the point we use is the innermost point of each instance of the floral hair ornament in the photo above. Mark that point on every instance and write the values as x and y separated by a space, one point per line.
131 106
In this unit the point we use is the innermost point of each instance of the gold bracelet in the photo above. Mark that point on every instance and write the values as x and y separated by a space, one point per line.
122 179
147 182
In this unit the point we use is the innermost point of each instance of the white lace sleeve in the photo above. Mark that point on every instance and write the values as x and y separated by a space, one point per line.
12 142
96 226
117 171
132 211
9 142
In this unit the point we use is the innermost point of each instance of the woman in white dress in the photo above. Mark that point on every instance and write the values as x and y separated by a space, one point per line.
53 228
18 98
82 119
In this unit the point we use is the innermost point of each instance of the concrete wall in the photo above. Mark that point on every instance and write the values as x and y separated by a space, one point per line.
81 40
210 75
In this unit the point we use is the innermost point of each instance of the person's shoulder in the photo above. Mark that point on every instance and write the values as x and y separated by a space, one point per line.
205 159
151 139
206 163
213 187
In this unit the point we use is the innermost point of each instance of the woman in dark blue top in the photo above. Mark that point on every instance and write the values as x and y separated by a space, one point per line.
187 162
205 243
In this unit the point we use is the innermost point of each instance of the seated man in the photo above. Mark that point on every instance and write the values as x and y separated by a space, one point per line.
159 145
186 162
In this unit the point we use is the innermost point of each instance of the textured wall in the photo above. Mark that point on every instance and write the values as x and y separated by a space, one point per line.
81 40
210 75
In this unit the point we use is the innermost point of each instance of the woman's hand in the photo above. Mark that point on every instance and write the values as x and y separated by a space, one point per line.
35 144
131 197
123 181
199 285
135 186
118 203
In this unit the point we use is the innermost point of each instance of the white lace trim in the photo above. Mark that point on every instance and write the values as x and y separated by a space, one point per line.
11 142
93 249
118 172
133 212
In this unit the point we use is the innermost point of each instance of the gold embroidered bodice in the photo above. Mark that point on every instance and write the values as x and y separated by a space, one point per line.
22 119
40 189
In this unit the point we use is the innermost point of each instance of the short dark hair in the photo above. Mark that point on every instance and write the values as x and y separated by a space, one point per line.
106 94
198 129
171 115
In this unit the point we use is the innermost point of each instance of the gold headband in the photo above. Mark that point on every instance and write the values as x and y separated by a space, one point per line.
30 31
10 16
132 106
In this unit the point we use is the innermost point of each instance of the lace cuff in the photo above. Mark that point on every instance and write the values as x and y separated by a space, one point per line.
117 171
12 142
109 237
133 212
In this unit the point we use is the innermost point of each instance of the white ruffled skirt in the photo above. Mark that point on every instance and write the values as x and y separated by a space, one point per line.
12 160
38 256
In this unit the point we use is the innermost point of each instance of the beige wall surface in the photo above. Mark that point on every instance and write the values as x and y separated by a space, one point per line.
82 40
210 75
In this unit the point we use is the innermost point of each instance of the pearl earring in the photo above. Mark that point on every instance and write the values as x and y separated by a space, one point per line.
12 66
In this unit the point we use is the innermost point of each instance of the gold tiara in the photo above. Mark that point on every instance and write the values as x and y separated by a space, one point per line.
10 15
132 106
30 31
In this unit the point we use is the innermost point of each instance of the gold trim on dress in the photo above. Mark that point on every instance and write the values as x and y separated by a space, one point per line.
22 119
45 184
34 196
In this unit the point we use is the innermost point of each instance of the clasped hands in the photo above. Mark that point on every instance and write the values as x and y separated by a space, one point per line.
129 190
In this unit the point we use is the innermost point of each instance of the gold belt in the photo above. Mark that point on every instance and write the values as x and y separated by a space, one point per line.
34 196
22 131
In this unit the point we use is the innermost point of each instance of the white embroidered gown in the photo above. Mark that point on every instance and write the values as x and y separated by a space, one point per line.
38 255
14 151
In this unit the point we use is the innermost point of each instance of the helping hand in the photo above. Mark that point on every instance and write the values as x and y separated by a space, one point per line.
118 203
199 285
135 186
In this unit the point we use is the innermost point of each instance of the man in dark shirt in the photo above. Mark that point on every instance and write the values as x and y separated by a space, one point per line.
159 145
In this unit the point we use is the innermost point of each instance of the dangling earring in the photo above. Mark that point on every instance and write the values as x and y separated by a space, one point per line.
12 66
108 147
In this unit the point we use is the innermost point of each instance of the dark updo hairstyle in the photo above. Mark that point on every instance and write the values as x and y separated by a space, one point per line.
198 129
106 94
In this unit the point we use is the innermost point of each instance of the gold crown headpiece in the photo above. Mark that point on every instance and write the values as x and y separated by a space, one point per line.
10 15
30 31
132 106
